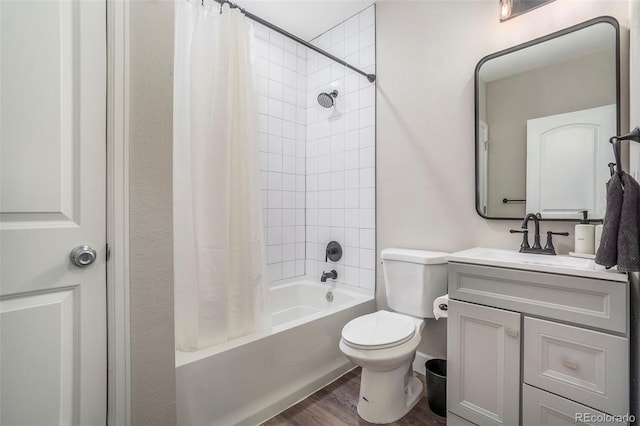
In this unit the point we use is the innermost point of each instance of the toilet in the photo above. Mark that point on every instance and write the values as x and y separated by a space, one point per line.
384 343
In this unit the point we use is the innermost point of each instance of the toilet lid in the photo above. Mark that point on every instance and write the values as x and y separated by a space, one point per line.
379 330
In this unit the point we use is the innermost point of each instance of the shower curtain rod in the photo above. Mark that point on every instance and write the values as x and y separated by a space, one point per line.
370 77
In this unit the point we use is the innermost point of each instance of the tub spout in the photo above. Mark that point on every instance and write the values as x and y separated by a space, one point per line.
333 275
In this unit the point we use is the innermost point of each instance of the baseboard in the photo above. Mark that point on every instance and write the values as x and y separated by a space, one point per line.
419 362
297 395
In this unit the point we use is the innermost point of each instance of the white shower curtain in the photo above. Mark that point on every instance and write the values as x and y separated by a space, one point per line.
219 264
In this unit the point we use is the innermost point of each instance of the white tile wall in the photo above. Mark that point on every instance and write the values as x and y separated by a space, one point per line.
318 165
282 69
340 153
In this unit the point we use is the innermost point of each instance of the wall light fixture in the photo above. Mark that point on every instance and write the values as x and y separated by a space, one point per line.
512 8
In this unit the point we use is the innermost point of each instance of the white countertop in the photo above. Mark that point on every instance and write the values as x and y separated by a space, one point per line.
559 264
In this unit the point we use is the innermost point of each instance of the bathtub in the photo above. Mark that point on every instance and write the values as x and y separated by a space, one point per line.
248 380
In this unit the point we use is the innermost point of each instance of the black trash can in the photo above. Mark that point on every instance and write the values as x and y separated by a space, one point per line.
437 385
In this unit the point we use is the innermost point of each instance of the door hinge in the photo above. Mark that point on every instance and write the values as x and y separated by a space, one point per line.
108 252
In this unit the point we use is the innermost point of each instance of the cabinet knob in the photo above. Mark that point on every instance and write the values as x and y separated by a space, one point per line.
512 332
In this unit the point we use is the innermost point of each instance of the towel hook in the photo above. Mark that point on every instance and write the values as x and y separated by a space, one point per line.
616 153
633 135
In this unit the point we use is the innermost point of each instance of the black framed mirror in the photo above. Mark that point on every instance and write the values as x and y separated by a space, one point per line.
544 111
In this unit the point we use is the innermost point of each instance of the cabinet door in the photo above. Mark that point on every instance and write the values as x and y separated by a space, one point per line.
483 346
453 420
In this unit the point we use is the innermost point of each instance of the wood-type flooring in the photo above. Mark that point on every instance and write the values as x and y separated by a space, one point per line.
335 405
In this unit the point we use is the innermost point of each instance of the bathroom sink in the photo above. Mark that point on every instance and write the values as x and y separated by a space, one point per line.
560 264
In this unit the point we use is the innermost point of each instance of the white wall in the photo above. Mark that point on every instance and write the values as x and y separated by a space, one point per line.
634 166
341 153
634 83
426 55
282 66
151 218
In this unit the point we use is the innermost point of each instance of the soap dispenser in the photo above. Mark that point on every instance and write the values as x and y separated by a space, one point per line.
585 236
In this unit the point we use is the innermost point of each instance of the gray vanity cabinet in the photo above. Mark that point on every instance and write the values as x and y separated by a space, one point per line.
535 348
484 361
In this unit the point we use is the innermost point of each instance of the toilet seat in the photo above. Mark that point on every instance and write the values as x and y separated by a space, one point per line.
379 330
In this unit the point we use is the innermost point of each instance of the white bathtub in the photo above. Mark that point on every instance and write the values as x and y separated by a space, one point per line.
251 379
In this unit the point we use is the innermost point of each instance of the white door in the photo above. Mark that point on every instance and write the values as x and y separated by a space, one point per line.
567 157
52 198
483 356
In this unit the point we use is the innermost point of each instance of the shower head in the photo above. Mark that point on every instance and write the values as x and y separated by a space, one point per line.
326 100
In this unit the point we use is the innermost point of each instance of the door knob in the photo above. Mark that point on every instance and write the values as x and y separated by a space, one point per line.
82 256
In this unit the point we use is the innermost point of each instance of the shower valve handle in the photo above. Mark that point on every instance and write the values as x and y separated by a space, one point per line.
333 252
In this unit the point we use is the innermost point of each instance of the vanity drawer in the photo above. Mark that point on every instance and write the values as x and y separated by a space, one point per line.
585 301
587 366
540 408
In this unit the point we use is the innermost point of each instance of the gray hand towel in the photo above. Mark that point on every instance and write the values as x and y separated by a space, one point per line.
607 253
620 243
628 236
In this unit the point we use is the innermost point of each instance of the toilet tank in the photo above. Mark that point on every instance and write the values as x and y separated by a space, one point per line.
413 279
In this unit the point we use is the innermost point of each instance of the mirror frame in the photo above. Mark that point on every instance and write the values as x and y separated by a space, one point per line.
600 19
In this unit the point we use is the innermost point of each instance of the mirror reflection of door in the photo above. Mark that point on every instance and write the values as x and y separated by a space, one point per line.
571 70
483 162
567 157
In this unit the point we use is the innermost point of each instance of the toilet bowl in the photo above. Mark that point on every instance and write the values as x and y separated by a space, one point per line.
384 343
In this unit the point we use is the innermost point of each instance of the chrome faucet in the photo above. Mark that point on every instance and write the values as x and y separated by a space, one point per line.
333 275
